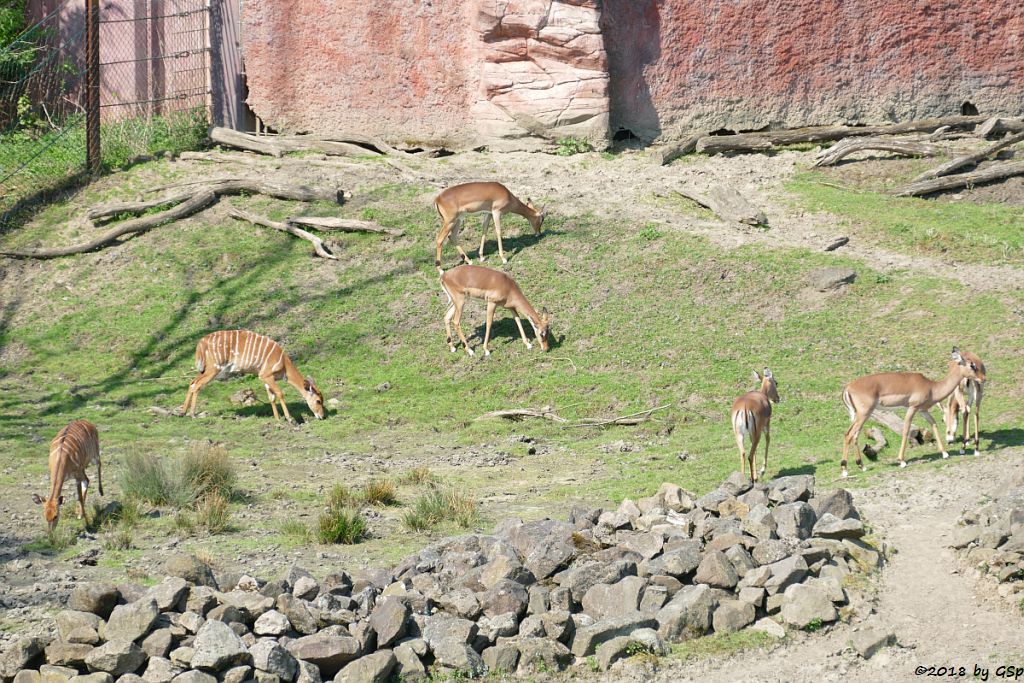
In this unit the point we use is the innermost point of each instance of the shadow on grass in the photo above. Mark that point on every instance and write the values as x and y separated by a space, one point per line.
1002 438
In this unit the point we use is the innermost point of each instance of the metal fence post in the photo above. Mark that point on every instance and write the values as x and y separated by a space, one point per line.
92 86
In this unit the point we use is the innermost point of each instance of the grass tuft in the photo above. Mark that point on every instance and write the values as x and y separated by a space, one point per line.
381 492
341 525
213 513
418 476
183 482
438 505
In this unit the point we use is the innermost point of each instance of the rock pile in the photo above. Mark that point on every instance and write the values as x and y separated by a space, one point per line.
990 539
535 595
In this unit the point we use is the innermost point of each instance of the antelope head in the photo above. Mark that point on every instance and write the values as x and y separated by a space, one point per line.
537 218
51 509
769 387
969 365
314 399
543 330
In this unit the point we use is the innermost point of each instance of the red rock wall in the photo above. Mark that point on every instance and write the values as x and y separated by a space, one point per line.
470 72
739 64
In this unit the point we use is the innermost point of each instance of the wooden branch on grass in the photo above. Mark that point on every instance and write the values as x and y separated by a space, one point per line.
547 413
666 154
969 159
349 144
185 204
851 145
985 175
516 414
894 422
318 244
328 223
624 420
727 203
747 142
876 435
998 124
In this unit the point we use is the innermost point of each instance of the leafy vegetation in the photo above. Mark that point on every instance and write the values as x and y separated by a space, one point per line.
341 525
181 482
440 504
719 645
569 146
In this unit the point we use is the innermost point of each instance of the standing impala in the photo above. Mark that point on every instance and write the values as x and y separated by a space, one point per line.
752 417
903 389
492 198
241 352
497 289
71 451
965 401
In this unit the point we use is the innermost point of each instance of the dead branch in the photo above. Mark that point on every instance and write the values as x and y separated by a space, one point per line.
969 159
349 144
624 420
199 200
997 124
985 175
117 208
747 142
318 244
851 145
328 223
516 414
872 450
836 243
727 203
666 154
250 159
251 143
894 422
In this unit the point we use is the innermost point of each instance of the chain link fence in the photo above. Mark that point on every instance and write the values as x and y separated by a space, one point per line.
153 81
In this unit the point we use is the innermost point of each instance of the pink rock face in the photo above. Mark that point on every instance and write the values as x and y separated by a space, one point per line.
678 65
512 73
442 72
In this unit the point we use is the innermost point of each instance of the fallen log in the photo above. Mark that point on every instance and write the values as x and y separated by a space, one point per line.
851 145
185 204
623 420
516 414
872 450
727 203
318 244
547 413
349 144
251 143
328 223
666 154
985 175
969 159
746 142
997 124
836 243
894 422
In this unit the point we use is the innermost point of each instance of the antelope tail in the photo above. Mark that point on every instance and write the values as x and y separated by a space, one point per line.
743 422
849 405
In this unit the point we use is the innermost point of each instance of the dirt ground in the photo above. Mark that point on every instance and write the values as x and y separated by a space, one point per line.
939 615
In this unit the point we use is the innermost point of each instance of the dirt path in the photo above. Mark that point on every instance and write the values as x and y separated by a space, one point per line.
940 617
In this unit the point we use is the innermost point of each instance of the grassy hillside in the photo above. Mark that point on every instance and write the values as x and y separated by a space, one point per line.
642 315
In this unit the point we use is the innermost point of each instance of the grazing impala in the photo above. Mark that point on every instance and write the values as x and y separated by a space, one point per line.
241 352
492 198
497 289
752 417
71 451
911 390
965 401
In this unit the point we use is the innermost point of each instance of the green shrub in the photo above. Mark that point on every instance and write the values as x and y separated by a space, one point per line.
213 513
180 482
566 147
379 492
438 505
341 525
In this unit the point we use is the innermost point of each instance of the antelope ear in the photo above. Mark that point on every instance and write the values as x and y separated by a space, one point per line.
767 373
956 356
755 375
307 384
544 311
36 499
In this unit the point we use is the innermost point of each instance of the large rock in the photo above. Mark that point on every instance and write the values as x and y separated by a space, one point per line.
158 643
588 638
688 615
803 605
373 668
542 654
770 551
454 654
194 676
733 615
645 544
329 649
830 526
269 656
97 598
794 520
716 570
69 620
408 664
170 594
22 653
217 647
116 657
298 612
389 619
132 621
272 623
604 600
838 503
190 568
682 560
831 278
60 653
443 626
545 546
160 670
502 658
504 567
785 573
585 575
759 522
790 489
503 597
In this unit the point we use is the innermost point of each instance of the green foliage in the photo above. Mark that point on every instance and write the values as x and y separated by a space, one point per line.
341 525
213 512
178 482
440 504
418 476
719 645
567 147
296 531
649 232
339 497
813 625
379 492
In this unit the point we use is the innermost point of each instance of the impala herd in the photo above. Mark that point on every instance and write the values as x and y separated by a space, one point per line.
226 353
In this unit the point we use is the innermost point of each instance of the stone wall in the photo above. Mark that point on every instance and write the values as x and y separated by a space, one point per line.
497 72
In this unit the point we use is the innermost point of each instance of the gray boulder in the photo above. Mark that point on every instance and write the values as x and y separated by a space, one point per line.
308 673
170 594
542 654
582 577
388 619
269 656
794 520
680 561
604 600
116 657
98 598
158 643
298 613
60 653
803 605
688 615
589 637
504 567
838 503
716 570
830 526
21 654
237 674
791 489
132 621
831 278
733 615
770 551
443 626
504 596
272 623
69 620
545 546
785 573
160 670
759 523
329 650
194 676
373 668
453 654
217 647
190 568
462 602
558 625
502 658
647 545
408 664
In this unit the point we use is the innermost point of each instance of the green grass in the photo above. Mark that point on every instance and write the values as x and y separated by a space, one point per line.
719 645
440 504
957 231
203 473
344 525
